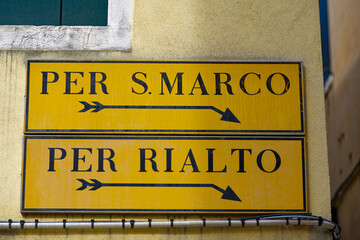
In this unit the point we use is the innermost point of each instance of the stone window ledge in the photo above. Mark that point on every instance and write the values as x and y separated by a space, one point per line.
116 36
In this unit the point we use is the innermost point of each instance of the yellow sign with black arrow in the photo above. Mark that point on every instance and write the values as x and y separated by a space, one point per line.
169 97
157 174
181 137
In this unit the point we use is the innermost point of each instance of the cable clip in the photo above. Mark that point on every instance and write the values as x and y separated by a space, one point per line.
204 222
171 222
10 222
132 222
229 220
92 223
242 222
22 223
36 223
123 223
320 221
64 223
149 220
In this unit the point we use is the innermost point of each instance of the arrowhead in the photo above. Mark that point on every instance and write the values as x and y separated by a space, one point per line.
85 184
229 116
95 185
229 194
98 107
86 106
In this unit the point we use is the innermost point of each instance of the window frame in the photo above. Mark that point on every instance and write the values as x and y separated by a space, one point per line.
115 36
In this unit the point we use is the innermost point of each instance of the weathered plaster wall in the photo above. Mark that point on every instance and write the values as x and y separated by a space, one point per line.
344 36
343 114
344 97
186 30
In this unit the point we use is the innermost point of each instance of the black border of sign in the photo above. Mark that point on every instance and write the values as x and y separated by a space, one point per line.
175 131
165 211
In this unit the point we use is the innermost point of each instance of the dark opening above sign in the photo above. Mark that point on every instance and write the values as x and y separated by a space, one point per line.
163 174
164 97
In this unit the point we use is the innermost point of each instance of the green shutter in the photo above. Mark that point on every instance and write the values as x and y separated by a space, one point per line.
84 12
30 12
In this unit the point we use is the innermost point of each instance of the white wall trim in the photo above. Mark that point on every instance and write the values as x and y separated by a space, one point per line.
116 36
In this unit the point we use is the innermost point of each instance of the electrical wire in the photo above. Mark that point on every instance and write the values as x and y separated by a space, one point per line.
262 220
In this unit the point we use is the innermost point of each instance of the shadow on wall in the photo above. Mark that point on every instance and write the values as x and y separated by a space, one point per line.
343 127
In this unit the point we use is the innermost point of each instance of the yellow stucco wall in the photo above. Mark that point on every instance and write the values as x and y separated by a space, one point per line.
185 30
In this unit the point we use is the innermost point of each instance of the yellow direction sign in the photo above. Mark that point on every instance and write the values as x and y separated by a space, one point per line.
163 174
164 97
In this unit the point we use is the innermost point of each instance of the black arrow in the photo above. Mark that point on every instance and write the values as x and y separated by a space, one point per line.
228 194
226 116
